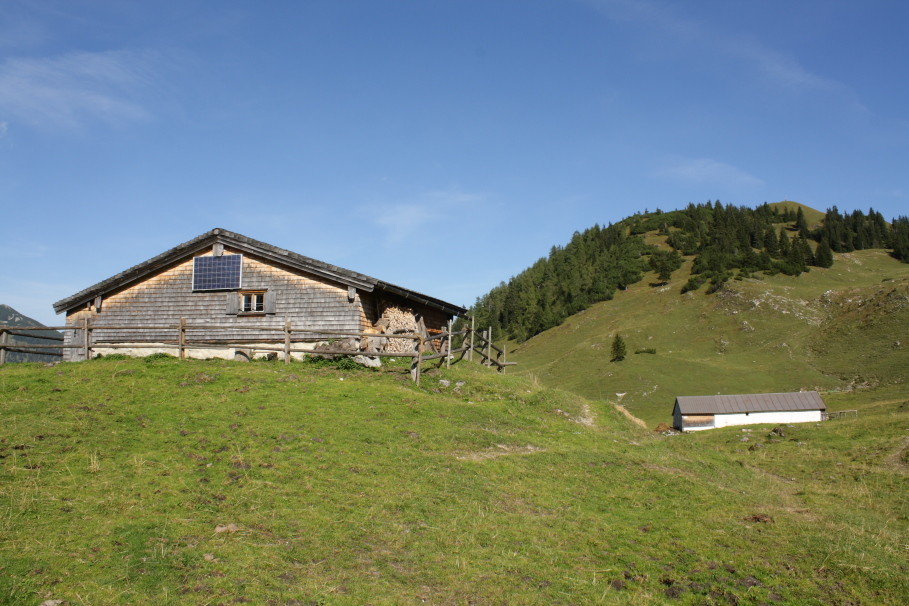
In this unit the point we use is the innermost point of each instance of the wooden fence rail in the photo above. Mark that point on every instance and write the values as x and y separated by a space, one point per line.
6 345
840 414
441 344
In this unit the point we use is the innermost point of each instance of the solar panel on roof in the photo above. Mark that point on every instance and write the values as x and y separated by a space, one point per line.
217 273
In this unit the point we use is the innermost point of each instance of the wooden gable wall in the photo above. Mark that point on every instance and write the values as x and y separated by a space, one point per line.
163 298
167 296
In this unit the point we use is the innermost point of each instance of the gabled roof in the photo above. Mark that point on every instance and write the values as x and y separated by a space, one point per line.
762 402
258 249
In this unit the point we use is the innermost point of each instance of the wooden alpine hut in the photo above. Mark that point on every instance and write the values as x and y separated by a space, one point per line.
236 285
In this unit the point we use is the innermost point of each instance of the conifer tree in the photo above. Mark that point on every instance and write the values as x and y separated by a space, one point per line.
823 256
801 224
618 348
784 245
882 232
664 262
772 242
900 238
805 251
796 258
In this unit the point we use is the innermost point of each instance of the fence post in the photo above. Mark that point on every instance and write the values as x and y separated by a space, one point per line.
86 338
448 356
4 340
417 360
286 340
504 349
489 347
472 328
181 340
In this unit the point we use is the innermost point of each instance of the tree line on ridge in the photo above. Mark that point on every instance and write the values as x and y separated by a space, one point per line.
726 241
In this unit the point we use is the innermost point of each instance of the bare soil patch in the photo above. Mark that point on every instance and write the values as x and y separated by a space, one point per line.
630 416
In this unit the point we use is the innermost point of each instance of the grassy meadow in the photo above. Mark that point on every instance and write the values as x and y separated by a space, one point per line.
211 482
829 329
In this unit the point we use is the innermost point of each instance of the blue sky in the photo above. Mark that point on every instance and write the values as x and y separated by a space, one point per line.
440 145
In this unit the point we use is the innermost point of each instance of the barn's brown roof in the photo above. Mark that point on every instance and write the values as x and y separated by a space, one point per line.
761 402
259 249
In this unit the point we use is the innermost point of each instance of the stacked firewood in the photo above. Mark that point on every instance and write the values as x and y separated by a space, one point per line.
396 320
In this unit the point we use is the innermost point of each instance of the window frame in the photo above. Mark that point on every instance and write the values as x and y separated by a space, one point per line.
256 299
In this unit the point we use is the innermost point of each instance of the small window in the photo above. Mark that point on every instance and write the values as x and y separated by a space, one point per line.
252 302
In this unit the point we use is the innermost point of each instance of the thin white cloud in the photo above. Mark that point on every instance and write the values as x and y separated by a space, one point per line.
22 249
72 90
777 67
650 14
706 171
782 70
403 222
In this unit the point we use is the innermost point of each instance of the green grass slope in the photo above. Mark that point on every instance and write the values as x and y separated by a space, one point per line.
168 482
829 329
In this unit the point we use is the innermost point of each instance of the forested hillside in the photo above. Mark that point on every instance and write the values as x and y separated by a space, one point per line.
589 269
725 241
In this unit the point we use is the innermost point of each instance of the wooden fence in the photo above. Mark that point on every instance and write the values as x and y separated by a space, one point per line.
840 414
8 345
439 346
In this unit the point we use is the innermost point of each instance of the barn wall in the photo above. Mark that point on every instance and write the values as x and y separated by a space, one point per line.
167 296
698 422
677 418
435 319
368 312
793 416
73 337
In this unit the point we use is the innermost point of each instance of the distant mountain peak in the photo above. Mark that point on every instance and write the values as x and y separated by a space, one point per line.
11 317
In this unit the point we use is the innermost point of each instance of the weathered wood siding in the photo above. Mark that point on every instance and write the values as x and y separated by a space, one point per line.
164 298
310 302
369 311
434 319
691 422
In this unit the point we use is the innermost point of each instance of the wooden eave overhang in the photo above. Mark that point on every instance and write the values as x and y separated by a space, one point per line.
256 248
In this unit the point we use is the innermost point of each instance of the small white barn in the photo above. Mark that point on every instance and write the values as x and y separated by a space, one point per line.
708 412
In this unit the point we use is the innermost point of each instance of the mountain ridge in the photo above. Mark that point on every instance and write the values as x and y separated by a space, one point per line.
722 242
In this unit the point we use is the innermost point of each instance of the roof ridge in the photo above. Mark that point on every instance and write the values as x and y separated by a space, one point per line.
268 251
